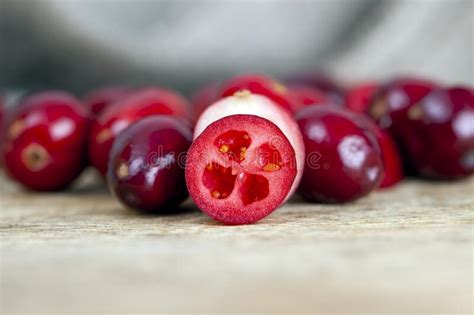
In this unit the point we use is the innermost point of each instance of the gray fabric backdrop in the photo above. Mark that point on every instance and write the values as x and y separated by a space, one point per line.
79 44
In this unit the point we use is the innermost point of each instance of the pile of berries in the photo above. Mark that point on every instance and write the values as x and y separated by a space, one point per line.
246 145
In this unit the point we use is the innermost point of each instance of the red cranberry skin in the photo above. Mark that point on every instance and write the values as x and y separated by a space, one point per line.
343 158
359 97
98 100
205 97
392 110
306 95
263 85
46 141
143 103
146 168
392 102
390 153
445 118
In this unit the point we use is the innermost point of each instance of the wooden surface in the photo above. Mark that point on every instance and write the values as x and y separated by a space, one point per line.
405 250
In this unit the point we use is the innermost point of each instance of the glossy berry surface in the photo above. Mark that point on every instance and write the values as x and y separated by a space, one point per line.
443 123
306 95
2 127
204 97
45 141
392 109
262 85
2 119
143 103
392 102
146 168
240 169
359 97
98 100
343 160
246 103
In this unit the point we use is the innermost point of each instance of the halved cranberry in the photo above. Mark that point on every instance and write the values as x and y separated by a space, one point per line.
343 160
246 160
359 97
240 169
143 103
98 100
445 127
146 167
306 95
204 97
45 146
263 85
390 154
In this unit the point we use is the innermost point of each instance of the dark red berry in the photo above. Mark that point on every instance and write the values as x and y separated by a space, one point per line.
392 102
392 109
98 100
306 95
343 160
246 160
359 97
146 168
444 124
263 85
204 97
321 81
45 146
143 103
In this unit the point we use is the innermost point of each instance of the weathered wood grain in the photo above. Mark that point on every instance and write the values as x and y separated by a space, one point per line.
408 249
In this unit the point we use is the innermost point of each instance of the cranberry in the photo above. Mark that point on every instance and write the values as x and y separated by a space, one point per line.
246 160
146 168
306 95
46 139
263 85
143 103
443 123
359 97
392 109
321 81
98 100
393 101
343 160
2 116
204 97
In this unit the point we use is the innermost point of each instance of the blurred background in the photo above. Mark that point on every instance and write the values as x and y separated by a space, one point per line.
79 45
